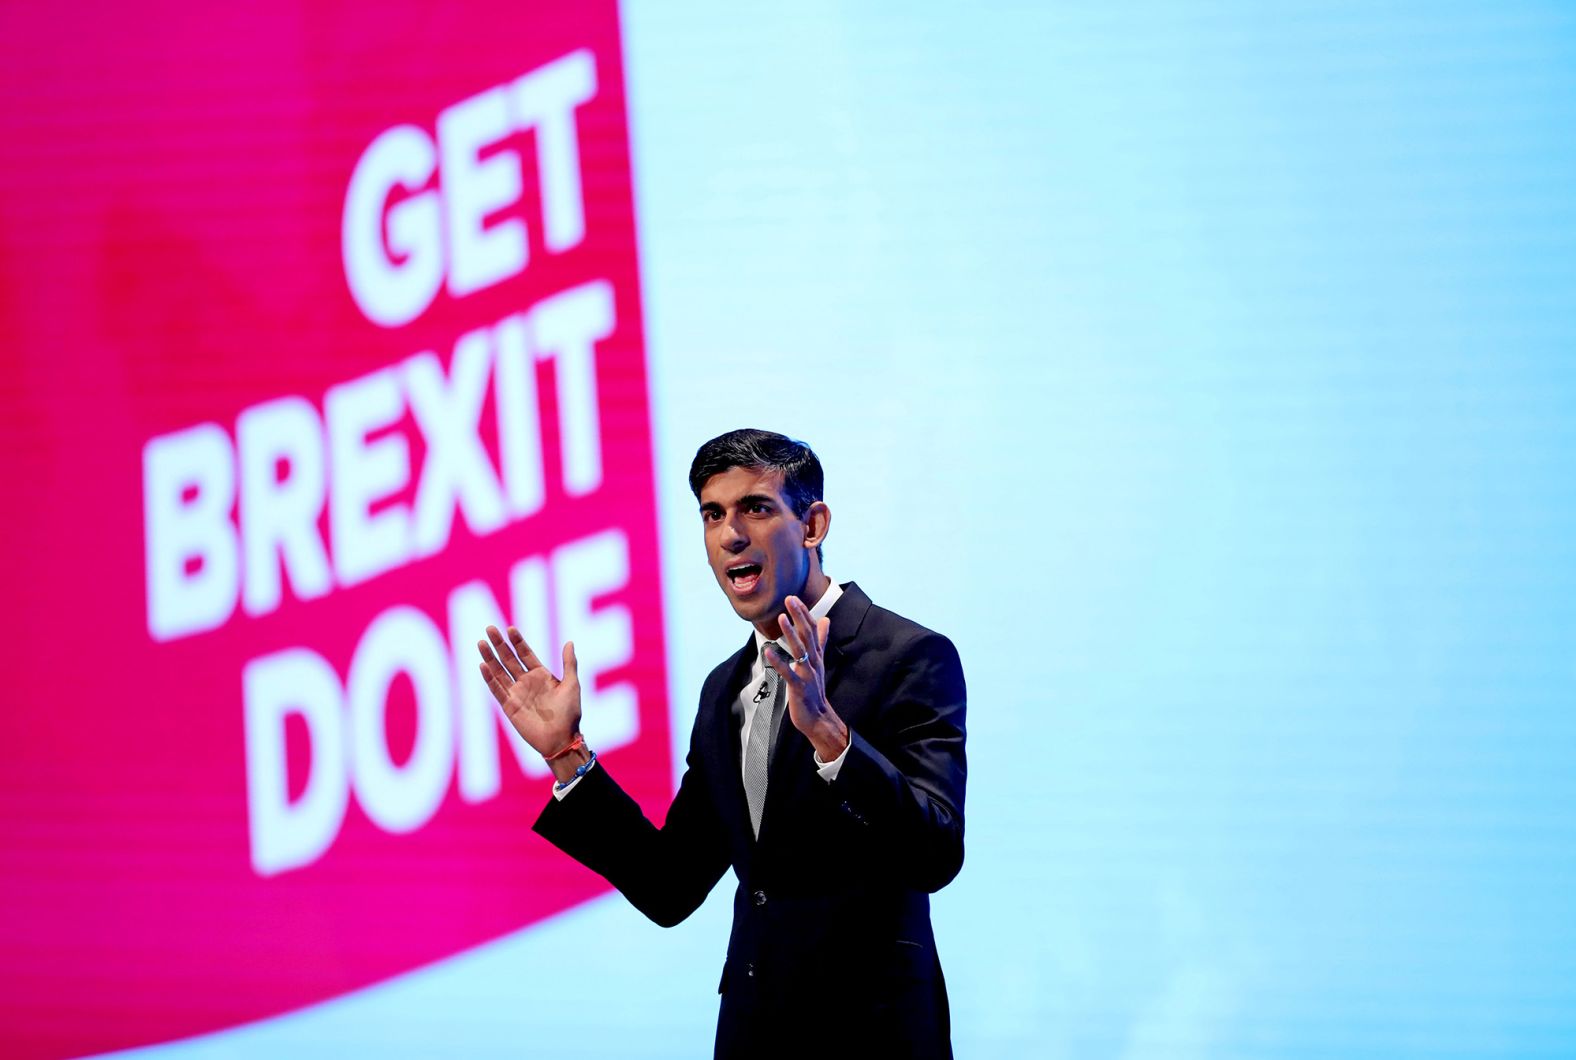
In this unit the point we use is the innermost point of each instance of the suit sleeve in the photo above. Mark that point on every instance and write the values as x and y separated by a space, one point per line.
665 872
904 781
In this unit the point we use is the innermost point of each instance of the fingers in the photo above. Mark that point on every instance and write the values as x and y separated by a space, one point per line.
505 656
779 661
495 670
505 663
807 636
522 649
514 657
571 664
791 637
495 686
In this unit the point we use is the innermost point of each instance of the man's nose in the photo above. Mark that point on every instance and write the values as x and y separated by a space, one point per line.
733 537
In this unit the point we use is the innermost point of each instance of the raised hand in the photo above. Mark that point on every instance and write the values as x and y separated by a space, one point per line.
804 678
544 710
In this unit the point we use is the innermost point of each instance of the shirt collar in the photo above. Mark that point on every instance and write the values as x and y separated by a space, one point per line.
817 612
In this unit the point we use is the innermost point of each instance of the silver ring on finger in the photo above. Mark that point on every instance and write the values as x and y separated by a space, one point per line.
803 658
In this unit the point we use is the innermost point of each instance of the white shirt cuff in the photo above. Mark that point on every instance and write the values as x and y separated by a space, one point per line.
828 770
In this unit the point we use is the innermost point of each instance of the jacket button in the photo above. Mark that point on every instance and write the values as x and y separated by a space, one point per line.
760 897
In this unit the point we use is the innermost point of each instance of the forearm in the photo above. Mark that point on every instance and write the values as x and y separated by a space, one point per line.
915 816
903 779
665 873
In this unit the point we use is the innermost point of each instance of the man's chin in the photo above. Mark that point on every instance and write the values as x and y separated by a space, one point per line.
752 609
749 610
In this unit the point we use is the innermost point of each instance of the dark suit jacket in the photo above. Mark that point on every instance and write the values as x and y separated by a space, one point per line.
831 952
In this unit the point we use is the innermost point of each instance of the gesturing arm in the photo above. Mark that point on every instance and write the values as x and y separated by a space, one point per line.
903 778
904 773
665 873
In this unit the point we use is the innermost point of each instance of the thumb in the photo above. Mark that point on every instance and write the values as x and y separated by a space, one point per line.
571 664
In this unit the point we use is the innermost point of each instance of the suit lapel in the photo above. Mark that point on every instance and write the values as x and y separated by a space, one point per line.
847 615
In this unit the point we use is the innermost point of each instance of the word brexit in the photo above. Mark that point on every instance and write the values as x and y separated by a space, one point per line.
201 560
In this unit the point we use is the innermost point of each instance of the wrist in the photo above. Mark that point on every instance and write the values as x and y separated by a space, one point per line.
569 759
565 765
829 736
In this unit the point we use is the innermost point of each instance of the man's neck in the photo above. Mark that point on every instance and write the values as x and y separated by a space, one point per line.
815 587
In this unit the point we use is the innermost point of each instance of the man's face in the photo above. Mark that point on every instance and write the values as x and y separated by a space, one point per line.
754 542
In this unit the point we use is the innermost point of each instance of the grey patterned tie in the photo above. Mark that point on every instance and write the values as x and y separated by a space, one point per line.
758 751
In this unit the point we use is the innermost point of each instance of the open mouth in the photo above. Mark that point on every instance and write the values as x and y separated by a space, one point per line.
744 577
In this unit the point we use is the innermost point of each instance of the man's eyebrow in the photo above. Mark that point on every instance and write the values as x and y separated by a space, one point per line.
748 498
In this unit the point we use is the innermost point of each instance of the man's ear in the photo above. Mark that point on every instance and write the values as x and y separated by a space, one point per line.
817 521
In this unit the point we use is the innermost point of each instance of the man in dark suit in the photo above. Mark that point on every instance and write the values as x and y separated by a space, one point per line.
838 824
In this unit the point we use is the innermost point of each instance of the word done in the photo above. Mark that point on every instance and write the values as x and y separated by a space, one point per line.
458 723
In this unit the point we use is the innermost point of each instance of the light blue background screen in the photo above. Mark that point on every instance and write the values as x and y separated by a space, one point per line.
1206 372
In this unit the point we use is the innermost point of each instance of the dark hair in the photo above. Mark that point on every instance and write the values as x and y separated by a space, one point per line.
803 480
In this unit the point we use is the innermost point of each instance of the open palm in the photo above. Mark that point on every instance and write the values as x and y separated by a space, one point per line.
543 709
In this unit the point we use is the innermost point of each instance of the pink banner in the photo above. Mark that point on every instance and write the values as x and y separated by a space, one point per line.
324 351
